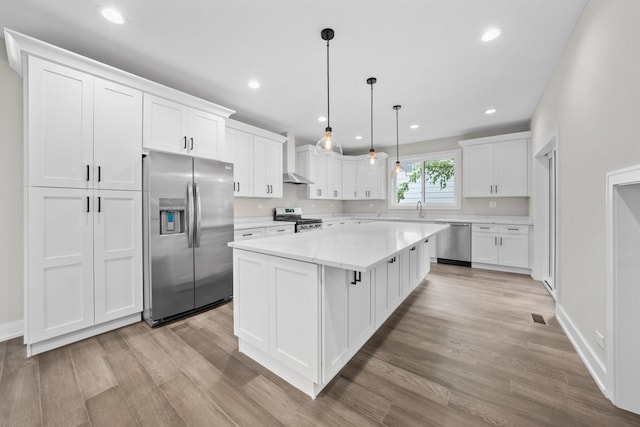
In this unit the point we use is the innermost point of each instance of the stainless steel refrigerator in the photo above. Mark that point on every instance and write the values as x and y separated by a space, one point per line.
187 223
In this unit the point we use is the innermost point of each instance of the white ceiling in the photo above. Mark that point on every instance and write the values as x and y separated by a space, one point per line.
426 54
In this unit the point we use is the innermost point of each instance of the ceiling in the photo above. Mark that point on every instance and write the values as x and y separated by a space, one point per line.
426 54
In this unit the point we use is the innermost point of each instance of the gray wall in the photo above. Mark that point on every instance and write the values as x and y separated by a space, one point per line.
11 187
593 100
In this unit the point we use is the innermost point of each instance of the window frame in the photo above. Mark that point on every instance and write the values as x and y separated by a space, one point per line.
435 155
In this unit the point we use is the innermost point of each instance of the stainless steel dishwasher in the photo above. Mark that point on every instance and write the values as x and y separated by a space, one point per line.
454 244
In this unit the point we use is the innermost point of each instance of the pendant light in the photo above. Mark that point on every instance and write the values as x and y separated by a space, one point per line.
398 167
326 144
373 163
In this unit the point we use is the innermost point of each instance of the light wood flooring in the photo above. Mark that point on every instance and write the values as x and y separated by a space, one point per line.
462 350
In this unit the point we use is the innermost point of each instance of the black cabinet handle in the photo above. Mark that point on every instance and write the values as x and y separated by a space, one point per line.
238 186
192 143
355 278
185 142
99 204
99 173
88 207
412 249
234 186
248 234
359 279
87 172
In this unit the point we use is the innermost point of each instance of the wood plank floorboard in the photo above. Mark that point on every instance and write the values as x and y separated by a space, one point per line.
462 350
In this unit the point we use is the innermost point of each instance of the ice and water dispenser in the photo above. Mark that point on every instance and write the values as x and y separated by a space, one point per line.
172 216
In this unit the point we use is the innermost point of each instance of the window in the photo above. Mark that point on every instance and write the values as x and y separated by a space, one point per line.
432 178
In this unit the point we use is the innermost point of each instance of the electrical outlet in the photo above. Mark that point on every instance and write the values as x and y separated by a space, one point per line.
260 206
600 339
492 204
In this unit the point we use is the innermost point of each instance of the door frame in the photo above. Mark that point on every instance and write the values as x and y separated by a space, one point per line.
541 213
615 179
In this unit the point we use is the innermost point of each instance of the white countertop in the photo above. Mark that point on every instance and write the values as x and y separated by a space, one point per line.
352 248
257 224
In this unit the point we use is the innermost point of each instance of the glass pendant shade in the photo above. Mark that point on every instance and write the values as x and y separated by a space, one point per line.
373 163
327 145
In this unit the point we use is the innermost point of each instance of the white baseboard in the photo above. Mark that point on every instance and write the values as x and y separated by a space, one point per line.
11 330
597 370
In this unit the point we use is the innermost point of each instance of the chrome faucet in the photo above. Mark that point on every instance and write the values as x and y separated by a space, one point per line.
419 207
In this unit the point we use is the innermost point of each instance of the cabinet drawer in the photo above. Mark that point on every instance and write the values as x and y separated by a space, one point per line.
248 233
485 228
514 229
276 231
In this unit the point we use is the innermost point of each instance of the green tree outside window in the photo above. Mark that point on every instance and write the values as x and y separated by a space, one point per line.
436 171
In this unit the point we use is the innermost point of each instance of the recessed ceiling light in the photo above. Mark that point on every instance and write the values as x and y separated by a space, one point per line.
358 137
322 119
490 111
112 15
491 34
414 126
254 84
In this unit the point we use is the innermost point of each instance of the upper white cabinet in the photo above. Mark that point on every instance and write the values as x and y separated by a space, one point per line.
340 177
372 182
334 178
349 179
496 166
177 128
83 131
257 158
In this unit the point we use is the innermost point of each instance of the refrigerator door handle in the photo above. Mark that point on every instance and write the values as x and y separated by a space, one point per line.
198 205
190 228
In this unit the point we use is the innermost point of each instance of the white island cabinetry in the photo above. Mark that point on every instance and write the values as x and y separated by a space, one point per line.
305 305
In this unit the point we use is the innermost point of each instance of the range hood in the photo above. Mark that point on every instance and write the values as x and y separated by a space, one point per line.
289 162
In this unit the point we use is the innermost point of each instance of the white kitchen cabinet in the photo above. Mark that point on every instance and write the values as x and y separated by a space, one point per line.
257 158
117 137
394 287
341 177
84 132
349 179
267 168
372 182
280 230
361 309
349 319
433 248
85 259
59 125
334 178
425 257
117 254
500 245
313 167
251 288
242 148
177 128
496 166
60 259
278 309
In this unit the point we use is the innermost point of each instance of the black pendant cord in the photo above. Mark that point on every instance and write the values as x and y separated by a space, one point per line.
397 137
328 99
371 81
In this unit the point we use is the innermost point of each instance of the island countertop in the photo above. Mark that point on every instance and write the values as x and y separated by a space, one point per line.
354 248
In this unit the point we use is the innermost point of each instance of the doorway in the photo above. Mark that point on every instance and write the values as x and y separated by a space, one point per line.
546 215
623 288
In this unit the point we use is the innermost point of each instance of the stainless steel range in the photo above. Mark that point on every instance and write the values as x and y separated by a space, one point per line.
295 215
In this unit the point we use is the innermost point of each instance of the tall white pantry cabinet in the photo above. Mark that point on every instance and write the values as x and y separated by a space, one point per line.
84 204
83 141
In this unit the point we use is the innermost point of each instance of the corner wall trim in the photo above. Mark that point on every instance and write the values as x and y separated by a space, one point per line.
594 366
11 330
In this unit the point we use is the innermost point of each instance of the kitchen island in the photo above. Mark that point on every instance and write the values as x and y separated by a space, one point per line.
304 304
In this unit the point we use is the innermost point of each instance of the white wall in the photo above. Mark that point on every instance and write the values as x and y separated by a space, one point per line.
593 99
11 188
